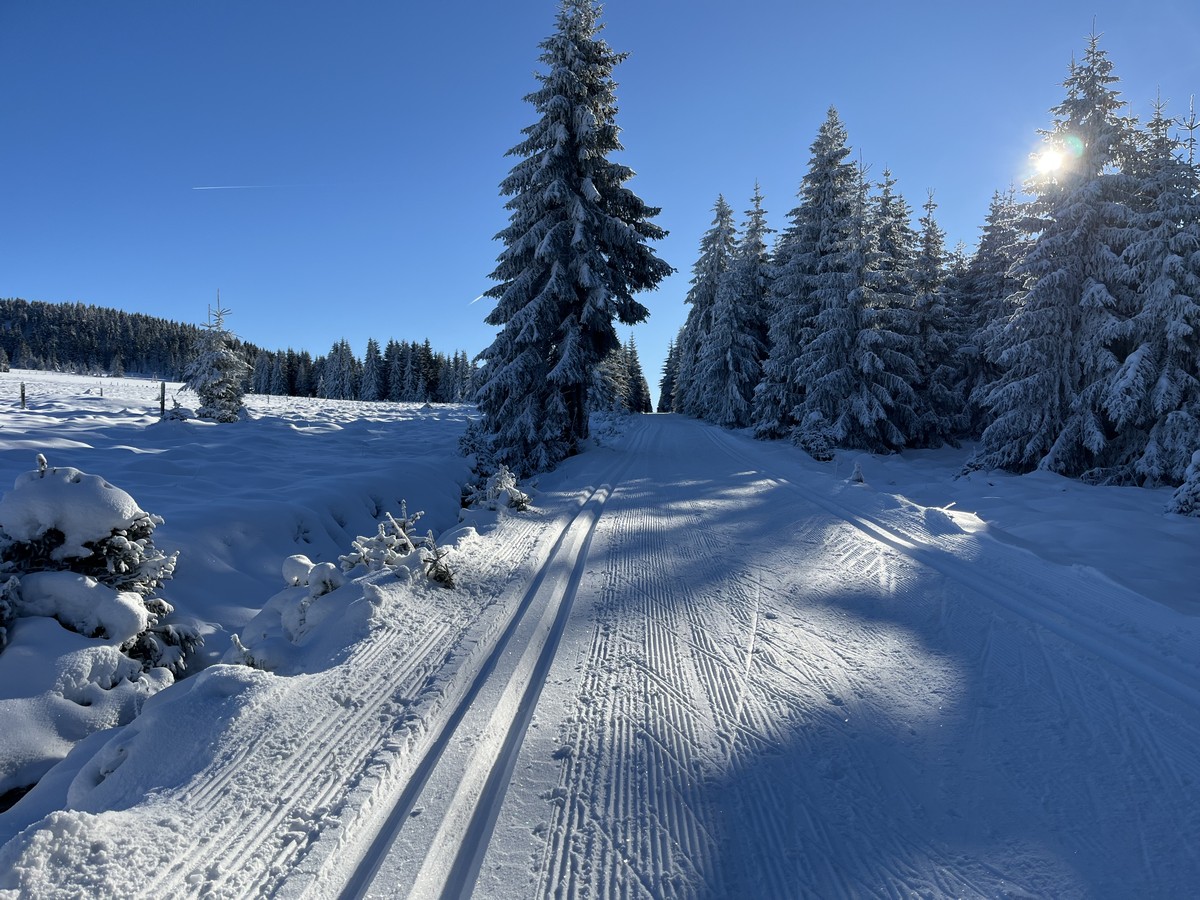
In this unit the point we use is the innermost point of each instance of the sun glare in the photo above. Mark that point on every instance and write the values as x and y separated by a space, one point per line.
1048 161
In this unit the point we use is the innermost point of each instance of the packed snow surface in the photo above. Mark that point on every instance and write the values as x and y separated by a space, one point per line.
699 665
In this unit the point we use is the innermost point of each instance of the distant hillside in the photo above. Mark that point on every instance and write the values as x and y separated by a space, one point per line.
74 337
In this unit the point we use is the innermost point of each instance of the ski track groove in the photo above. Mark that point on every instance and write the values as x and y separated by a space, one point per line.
476 833
238 841
243 863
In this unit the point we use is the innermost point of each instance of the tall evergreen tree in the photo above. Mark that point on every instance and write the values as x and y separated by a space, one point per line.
989 290
856 365
372 373
1153 397
260 379
576 250
941 416
670 372
716 252
639 389
731 358
1057 352
813 225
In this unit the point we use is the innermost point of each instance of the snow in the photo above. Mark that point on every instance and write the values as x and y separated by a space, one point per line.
699 664
83 507
84 605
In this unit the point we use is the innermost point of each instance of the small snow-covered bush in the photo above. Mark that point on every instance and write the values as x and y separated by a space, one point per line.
388 547
394 546
500 491
82 552
9 597
1186 499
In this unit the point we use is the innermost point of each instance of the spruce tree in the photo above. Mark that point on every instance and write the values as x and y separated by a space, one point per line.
1153 397
639 389
731 358
856 364
989 290
716 252
217 372
1056 352
372 373
666 385
576 250
823 192
940 412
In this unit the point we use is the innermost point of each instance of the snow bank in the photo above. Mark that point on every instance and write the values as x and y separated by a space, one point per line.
56 687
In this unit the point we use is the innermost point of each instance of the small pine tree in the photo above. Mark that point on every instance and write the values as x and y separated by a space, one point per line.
217 373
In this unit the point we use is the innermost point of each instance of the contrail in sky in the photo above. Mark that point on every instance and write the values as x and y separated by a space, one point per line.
476 300
244 187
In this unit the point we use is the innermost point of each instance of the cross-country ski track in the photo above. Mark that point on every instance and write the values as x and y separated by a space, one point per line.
703 666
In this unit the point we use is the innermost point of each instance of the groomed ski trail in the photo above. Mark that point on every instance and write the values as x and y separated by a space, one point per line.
435 836
774 686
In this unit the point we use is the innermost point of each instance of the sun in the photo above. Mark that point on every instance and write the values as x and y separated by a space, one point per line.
1048 161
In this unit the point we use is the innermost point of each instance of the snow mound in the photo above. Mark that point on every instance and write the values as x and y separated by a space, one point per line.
937 522
84 508
84 605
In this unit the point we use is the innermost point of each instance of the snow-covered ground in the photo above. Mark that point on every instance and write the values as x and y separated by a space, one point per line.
700 666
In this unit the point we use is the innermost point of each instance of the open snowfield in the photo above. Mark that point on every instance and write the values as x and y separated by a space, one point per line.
700 666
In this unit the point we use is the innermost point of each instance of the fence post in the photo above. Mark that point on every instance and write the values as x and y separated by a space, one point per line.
22 395
162 400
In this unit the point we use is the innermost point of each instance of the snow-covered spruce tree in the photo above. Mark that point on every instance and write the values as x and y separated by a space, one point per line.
792 307
1153 398
666 385
609 391
217 372
716 252
576 250
988 300
891 268
1057 352
372 387
856 364
639 388
940 411
1186 499
731 359
78 549
260 379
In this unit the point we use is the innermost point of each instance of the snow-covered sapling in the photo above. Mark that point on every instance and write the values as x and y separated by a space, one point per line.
62 520
499 492
436 567
392 542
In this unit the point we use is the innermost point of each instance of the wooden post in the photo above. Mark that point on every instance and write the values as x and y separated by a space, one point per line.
22 395
162 400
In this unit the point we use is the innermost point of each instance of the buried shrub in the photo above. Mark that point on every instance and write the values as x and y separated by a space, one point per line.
82 551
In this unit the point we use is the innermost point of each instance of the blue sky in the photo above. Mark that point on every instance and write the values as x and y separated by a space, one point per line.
375 133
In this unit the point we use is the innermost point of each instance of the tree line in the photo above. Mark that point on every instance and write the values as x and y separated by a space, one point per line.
85 339
1068 341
